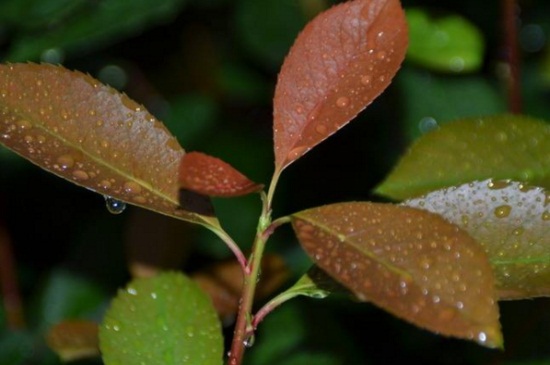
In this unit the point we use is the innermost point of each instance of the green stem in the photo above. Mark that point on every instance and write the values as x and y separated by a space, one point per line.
243 326
214 226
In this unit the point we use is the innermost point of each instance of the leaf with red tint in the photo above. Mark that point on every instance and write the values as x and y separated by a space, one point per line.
207 175
223 282
409 262
88 133
74 340
338 65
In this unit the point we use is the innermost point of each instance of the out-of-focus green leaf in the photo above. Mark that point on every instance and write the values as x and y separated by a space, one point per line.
499 147
448 43
15 347
65 296
430 100
91 25
267 28
512 223
164 319
36 14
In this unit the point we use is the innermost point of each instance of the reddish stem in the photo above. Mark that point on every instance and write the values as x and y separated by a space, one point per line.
510 17
8 283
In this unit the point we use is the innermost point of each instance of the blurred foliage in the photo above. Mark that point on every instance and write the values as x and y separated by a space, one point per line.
208 68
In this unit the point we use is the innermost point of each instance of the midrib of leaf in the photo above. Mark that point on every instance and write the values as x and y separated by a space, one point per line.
537 260
97 160
392 268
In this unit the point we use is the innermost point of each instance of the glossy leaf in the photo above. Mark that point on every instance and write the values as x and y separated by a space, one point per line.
409 262
447 43
207 175
164 319
341 61
512 223
74 340
499 147
88 133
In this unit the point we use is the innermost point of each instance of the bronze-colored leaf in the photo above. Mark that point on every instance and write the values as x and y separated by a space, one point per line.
223 282
409 262
339 64
88 133
74 340
211 176
511 221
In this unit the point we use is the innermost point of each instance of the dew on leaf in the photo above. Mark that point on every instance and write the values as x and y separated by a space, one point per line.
321 129
546 216
248 342
132 187
80 175
342 102
502 211
65 161
114 206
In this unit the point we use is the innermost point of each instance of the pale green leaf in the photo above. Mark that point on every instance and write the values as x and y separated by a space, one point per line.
512 223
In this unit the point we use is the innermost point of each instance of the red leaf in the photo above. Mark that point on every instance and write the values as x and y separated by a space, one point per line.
211 176
338 65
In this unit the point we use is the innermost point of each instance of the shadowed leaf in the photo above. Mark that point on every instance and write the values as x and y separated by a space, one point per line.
74 340
512 223
409 262
88 133
166 318
499 147
211 176
341 61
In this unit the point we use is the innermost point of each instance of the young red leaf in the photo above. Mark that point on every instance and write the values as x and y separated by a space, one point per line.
409 262
338 65
511 221
73 126
211 176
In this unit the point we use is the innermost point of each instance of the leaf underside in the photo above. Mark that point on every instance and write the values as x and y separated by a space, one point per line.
511 221
73 126
498 147
407 261
341 61
164 319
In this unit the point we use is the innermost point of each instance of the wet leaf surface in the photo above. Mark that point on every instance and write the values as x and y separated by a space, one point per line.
409 262
164 319
498 147
207 175
74 340
88 133
511 221
341 61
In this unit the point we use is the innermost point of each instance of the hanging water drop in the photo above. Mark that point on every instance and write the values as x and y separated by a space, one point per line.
248 342
114 206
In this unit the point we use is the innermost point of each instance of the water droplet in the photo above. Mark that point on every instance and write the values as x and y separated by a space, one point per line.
24 124
498 184
296 152
321 129
427 124
342 102
503 211
546 216
366 79
114 206
248 342
482 337
131 291
132 187
80 175
65 161
154 295
381 55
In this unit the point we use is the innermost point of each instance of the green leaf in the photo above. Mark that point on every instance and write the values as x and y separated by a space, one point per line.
88 26
164 319
499 147
430 100
409 262
511 221
446 43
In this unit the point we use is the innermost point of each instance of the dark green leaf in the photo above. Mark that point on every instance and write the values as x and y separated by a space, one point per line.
499 147
164 319
512 222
